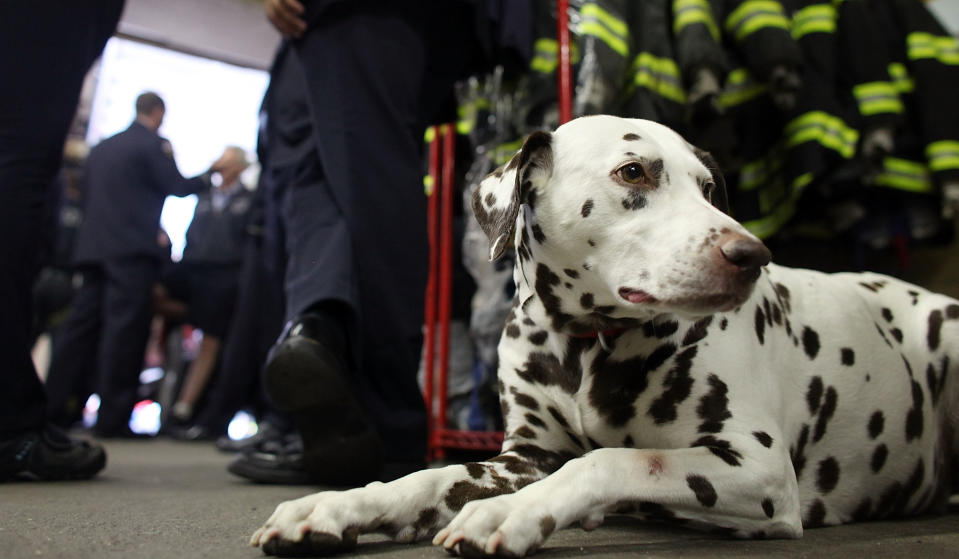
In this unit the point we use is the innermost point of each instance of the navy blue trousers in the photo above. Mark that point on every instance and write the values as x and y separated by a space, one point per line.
47 48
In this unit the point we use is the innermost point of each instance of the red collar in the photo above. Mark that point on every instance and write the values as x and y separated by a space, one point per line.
604 336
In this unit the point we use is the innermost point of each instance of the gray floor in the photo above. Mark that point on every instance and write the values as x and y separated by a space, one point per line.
161 499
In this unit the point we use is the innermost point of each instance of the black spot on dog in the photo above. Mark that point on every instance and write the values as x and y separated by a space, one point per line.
558 416
634 200
887 314
760 325
605 309
914 416
538 338
848 356
538 233
713 407
547 525
571 273
704 491
768 509
784 297
490 199
475 470
763 438
546 461
575 440
426 520
628 442
827 476
463 492
677 384
777 315
587 207
797 453
547 370
768 312
905 363
617 384
535 421
586 300
914 295
876 424
952 311
723 323
720 448
512 331
591 243
896 334
826 413
698 331
878 458
525 432
660 331
810 342
935 324
814 394
631 137
526 401
816 515
883 335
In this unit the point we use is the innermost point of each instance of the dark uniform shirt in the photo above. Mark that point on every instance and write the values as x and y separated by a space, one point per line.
128 176
216 234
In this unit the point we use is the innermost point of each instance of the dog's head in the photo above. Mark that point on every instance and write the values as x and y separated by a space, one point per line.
618 221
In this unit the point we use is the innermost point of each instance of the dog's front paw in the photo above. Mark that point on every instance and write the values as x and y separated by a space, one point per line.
503 526
319 524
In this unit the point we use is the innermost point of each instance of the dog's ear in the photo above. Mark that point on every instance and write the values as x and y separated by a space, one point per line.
718 196
496 201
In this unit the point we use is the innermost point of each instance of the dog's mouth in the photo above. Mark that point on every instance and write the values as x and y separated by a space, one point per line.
636 296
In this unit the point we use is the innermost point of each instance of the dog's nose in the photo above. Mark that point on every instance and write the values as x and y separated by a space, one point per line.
745 253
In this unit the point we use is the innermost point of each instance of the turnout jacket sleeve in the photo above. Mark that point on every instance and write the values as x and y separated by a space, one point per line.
932 58
760 29
697 38
163 171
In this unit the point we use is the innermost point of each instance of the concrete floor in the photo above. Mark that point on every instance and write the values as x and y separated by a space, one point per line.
163 499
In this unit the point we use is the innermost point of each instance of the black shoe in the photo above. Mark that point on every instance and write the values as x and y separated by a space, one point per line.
49 454
265 431
278 460
306 376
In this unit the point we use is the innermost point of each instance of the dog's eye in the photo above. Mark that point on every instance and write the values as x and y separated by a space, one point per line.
632 173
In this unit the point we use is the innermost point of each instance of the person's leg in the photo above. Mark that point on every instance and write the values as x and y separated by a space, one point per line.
47 48
126 329
73 367
365 103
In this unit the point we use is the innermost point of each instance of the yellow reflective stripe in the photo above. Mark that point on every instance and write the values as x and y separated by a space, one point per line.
659 75
768 225
604 26
428 184
904 175
598 23
691 12
926 45
877 97
820 18
740 87
545 56
943 155
900 77
758 173
753 15
828 130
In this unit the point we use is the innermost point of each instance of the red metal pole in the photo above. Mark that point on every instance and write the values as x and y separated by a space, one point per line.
446 266
429 312
565 69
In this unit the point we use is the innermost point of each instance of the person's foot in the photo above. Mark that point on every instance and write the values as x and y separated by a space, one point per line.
49 454
277 460
306 376
265 431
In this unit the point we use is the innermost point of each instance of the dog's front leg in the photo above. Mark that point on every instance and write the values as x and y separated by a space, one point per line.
407 509
749 499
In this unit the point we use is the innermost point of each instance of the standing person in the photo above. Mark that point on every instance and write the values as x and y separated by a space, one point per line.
354 216
128 176
47 49
210 275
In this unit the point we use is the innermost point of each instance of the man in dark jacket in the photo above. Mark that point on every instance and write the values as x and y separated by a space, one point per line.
128 176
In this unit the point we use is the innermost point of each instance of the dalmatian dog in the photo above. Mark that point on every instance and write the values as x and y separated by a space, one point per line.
655 363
